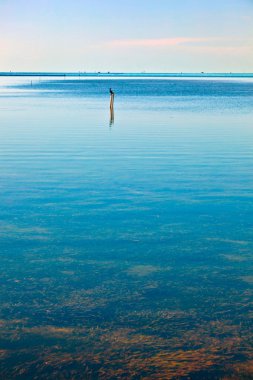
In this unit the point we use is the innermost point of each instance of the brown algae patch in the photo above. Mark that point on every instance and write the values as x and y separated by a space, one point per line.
229 241
3 353
241 371
129 353
50 331
248 279
127 338
145 270
235 258
180 363
68 272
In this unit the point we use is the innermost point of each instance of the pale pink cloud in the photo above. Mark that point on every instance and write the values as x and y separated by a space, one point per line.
157 41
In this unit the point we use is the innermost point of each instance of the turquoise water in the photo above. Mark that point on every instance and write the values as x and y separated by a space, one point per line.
126 245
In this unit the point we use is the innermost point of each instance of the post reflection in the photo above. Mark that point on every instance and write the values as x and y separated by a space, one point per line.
111 117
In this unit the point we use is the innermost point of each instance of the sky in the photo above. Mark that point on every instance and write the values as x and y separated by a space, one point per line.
126 35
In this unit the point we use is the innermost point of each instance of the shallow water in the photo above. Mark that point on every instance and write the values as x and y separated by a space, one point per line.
126 246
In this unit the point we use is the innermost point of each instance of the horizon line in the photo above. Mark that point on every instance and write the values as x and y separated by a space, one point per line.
120 73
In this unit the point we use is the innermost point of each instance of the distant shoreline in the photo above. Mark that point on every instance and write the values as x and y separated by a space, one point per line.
128 75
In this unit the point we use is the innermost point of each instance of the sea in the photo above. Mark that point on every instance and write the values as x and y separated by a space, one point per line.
126 237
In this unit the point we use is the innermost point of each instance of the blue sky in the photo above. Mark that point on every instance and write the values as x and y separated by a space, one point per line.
126 35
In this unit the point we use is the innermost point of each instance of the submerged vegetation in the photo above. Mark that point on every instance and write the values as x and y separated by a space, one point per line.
134 321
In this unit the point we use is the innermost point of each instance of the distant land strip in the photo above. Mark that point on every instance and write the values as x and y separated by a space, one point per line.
128 75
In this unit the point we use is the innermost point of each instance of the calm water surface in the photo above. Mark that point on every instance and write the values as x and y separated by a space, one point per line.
126 246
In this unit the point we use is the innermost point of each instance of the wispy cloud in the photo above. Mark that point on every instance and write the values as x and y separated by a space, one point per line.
153 42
